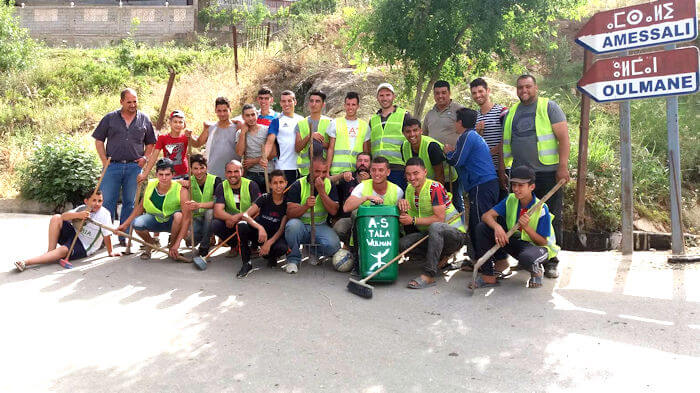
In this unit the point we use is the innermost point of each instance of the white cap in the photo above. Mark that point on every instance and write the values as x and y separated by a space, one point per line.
385 86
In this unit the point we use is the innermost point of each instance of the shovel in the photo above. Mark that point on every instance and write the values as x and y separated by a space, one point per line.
149 245
312 247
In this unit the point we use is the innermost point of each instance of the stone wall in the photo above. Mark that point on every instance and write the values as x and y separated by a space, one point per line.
100 25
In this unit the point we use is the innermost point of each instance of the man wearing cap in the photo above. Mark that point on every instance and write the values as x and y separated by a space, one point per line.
386 137
535 134
532 245
129 138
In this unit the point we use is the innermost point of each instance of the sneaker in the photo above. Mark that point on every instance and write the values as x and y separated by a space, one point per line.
245 269
20 265
203 251
550 268
291 268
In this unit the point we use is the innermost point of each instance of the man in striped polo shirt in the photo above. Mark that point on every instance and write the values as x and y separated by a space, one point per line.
489 124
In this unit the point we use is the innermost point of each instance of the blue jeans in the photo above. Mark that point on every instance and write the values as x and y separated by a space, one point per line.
148 222
297 233
202 227
120 178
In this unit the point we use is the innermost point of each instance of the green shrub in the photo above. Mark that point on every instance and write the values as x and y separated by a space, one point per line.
16 47
59 171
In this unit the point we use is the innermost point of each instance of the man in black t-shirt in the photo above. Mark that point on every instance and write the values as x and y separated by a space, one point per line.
231 199
263 224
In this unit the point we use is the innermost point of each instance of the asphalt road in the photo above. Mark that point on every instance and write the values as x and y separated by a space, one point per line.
124 325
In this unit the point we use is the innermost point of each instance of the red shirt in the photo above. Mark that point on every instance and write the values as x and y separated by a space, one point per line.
438 195
175 148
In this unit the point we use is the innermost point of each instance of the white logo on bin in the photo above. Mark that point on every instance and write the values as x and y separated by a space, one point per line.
379 257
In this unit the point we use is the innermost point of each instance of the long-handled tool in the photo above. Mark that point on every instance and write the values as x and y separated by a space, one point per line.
312 247
149 245
201 262
510 233
267 181
131 227
65 262
362 289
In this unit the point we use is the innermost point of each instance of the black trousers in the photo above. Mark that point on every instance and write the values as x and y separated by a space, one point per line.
219 228
249 237
291 175
258 177
529 256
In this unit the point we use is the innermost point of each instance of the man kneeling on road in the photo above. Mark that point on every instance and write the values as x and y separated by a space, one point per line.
263 225
318 191
428 208
62 232
532 245
233 197
163 210
202 186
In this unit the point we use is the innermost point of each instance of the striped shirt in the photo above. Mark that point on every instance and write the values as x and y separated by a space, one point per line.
493 128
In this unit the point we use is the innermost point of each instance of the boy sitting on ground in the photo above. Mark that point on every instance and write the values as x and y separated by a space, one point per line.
263 225
532 245
62 232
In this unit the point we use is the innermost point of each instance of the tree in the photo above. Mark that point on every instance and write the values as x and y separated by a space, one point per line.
16 46
432 39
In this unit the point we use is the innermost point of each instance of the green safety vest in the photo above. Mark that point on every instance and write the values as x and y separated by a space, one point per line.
512 207
344 155
425 141
171 203
202 196
230 205
320 213
547 144
390 198
386 141
303 160
425 207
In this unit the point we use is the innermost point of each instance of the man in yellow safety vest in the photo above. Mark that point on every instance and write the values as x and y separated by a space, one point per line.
428 211
163 209
385 133
535 134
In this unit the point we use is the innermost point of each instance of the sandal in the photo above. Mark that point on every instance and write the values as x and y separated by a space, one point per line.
420 283
480 283
20 265
146 254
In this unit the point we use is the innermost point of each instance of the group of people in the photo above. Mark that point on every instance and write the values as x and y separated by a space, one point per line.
264 178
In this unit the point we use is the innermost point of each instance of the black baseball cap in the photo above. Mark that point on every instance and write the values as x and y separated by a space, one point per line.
522 174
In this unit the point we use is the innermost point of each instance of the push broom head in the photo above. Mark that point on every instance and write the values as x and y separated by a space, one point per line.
360 289
200 262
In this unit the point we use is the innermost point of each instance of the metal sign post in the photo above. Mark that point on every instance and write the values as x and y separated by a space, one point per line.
668 73
674 173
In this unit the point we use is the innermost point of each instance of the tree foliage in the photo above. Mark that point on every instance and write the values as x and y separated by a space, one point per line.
16 46
432 39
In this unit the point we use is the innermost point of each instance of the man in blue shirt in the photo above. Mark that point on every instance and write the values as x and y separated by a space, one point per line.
477 175
532 245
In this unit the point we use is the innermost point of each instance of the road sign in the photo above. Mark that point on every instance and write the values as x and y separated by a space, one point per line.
642 76
639 26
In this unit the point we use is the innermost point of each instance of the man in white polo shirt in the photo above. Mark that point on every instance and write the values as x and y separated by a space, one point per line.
281 131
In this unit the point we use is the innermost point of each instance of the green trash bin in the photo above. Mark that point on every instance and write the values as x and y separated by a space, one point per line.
377 229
